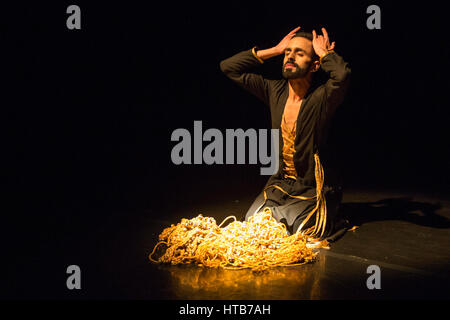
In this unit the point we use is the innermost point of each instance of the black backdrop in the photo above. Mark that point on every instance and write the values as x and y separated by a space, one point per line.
88 113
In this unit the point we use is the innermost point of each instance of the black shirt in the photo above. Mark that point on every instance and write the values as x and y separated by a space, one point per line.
318 108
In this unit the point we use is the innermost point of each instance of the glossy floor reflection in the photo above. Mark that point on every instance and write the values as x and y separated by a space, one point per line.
330 277
191 282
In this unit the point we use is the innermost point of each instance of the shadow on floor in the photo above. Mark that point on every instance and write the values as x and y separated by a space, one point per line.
420 213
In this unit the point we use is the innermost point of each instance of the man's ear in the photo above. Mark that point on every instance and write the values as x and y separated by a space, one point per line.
315 66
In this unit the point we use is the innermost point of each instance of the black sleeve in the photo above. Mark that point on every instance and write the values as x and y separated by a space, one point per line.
237 69
339 78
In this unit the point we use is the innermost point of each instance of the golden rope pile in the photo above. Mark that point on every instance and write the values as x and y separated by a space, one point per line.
258 244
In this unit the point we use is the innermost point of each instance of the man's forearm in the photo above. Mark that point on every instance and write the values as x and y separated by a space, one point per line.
268 53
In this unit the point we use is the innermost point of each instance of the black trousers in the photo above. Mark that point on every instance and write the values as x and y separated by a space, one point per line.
292 212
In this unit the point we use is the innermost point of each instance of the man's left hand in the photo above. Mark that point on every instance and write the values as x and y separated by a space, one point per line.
321 43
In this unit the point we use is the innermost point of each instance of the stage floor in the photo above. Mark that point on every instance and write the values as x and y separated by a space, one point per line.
405 233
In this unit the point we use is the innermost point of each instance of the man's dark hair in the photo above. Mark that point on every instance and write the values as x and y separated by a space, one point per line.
309 36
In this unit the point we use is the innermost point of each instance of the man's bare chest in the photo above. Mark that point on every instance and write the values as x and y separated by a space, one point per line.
291 111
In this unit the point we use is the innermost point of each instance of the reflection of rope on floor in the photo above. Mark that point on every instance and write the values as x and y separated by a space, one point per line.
275 283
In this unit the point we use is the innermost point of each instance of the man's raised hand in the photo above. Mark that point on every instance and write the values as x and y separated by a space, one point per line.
321 43
280 47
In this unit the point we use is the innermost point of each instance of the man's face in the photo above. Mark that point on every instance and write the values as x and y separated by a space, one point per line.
298 61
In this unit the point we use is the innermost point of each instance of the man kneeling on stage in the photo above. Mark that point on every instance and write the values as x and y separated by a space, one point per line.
303 195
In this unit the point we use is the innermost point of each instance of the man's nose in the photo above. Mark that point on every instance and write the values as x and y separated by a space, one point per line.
290 57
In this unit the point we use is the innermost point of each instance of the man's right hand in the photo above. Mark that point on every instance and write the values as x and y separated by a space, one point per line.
284 42
279 48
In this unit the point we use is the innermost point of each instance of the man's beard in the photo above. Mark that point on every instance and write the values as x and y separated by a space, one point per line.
298 73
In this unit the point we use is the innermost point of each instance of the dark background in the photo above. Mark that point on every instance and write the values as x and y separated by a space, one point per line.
88 114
